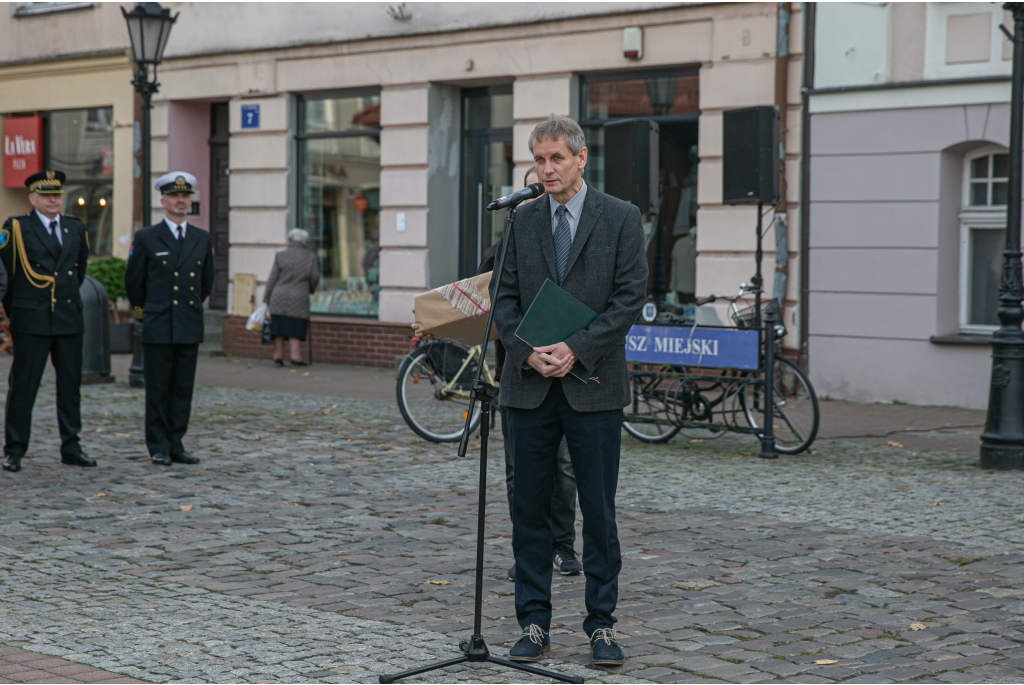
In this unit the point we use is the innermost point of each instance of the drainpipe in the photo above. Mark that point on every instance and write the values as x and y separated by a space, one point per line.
782 57
809 12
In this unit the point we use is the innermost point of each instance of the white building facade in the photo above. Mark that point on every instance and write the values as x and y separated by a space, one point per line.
384 129
909 127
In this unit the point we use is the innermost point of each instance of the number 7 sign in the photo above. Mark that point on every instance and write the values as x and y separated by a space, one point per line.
250 116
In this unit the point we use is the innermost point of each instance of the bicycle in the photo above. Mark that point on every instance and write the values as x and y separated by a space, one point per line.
432 388
718 397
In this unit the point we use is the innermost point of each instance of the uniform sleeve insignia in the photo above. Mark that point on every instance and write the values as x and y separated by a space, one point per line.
5 238
131 251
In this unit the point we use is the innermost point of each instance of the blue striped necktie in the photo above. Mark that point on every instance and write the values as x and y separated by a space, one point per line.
563 242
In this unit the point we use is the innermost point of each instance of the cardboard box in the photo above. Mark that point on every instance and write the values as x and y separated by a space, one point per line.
457 311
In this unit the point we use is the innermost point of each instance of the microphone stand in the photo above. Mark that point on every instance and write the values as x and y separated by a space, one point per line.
475 649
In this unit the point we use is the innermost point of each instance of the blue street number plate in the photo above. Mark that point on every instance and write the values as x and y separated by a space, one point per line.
722 348
250 116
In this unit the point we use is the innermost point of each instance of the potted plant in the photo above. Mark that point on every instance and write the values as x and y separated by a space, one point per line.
109 271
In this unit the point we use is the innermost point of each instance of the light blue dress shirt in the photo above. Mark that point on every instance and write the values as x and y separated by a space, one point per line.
573 209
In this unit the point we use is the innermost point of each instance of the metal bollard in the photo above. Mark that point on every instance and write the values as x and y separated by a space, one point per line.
771 317
136 379
96 333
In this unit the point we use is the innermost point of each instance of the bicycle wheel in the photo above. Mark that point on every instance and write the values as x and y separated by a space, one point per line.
646 418
795 414
433 401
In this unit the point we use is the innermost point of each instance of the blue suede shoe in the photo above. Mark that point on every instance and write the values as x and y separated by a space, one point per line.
604 650
532 645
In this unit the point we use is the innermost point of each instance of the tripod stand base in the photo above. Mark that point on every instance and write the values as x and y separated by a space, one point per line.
476 651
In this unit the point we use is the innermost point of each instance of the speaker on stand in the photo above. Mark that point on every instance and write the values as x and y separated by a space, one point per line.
750 156
631 163
750 175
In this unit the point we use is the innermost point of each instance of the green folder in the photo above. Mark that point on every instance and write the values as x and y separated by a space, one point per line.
554 317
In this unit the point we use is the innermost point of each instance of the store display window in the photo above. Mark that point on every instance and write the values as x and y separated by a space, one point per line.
671 98
339 198
80 142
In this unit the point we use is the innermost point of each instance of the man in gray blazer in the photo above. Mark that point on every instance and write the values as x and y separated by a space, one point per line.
591 244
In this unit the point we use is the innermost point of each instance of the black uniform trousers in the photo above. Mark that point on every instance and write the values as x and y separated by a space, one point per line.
30 354
563 503
170 373
594 440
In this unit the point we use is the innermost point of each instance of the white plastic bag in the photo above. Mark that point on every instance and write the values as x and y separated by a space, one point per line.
257 319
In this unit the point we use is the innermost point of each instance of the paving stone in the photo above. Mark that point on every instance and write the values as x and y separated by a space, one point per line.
956 677
314 522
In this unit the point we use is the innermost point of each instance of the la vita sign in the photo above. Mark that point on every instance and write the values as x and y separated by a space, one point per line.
23 149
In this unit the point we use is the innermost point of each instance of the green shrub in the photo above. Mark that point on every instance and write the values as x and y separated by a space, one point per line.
109 271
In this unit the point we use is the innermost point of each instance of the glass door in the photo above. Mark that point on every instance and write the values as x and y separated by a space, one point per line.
486 169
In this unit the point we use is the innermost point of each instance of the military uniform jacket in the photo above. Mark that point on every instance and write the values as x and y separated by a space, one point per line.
169 283
27 306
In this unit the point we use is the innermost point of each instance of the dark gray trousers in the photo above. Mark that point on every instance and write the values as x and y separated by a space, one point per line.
563 502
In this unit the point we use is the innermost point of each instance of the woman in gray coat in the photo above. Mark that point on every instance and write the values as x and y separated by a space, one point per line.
294 277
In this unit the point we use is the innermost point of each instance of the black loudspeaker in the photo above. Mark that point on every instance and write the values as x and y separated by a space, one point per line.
750 156
631 162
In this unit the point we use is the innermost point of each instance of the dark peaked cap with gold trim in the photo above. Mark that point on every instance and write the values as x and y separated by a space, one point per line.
48 182
176 182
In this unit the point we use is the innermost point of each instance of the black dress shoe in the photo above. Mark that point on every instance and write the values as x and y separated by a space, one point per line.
161 459
184 458
279 362
295 363
77 460
12 463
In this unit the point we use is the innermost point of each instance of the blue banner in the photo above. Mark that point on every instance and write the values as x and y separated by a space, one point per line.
722 348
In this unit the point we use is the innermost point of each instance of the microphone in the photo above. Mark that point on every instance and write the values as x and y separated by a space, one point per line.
512 199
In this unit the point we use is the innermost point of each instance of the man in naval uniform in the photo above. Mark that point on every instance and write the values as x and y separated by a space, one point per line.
44 252
169 274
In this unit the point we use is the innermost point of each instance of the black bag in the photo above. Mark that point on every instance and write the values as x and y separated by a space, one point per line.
447 358
266 335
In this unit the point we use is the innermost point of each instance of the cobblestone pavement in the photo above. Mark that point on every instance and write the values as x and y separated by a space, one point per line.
320 540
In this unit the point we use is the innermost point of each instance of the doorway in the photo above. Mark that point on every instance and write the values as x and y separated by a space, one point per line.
486 169
219 203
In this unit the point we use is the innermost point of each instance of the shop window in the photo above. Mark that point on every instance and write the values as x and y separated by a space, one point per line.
671 99
80 142
339 191
982 238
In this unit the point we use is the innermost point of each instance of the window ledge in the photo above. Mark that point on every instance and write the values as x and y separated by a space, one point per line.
31 9
960 339
349 319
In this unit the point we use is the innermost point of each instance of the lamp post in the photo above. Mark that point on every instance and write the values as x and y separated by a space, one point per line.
149 27
1002 443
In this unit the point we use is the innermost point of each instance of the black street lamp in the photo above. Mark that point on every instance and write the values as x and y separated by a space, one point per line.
1002 443
149 27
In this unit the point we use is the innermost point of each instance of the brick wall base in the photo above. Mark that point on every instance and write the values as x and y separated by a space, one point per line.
334 340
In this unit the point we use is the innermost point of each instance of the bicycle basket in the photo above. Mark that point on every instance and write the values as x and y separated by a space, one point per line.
745 318
447 358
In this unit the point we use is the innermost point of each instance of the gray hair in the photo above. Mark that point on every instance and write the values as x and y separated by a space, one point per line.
557 127
299 235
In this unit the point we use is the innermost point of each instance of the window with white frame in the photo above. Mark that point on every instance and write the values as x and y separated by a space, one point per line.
982 238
